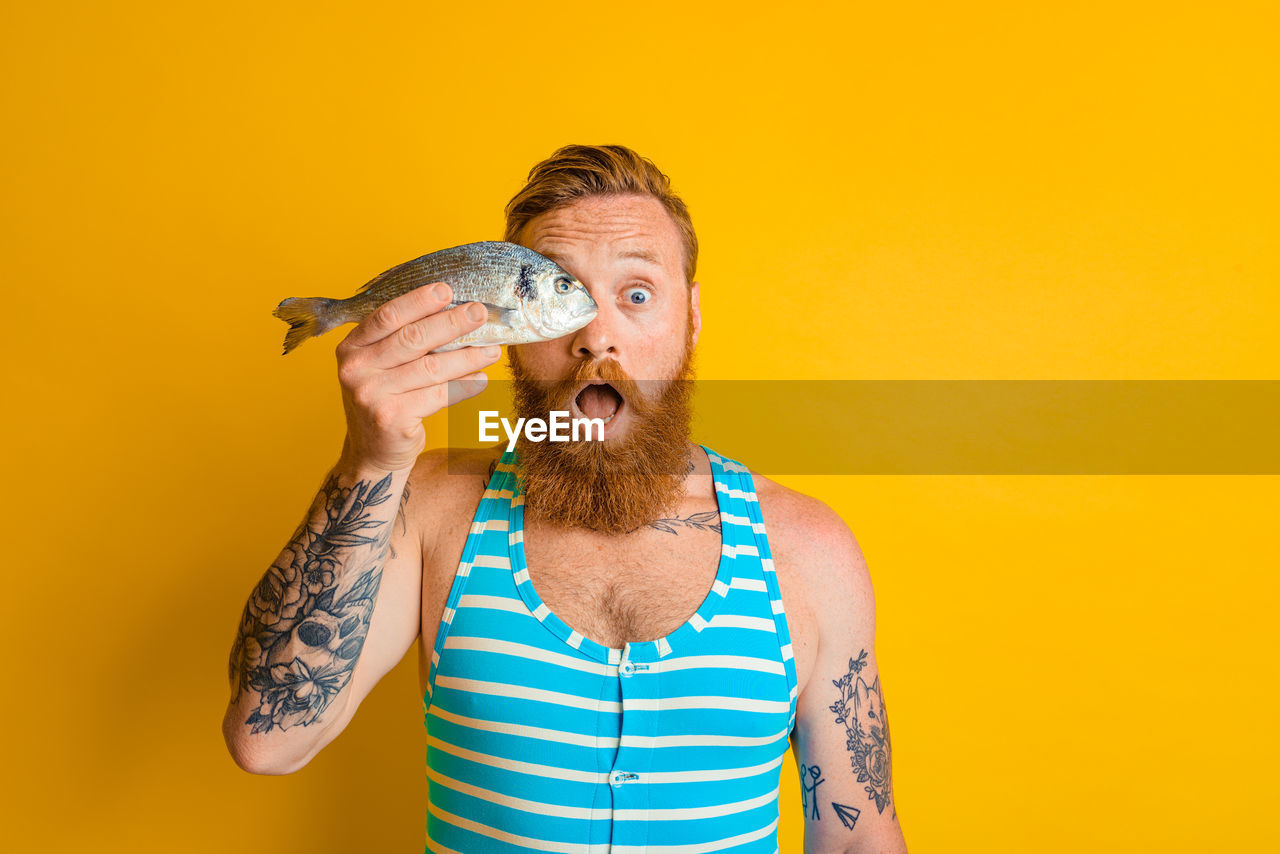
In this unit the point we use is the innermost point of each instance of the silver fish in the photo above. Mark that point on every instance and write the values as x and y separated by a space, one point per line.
529 297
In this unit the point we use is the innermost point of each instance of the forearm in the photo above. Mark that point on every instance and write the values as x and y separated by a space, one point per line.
304 626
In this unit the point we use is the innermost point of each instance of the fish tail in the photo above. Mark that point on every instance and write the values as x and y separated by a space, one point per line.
308 317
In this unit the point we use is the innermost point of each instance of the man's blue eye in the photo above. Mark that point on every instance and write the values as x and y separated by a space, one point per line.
638 296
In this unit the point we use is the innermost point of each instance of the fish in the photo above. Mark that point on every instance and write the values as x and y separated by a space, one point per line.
528 296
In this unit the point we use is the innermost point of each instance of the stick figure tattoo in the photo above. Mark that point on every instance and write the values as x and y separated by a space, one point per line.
810 789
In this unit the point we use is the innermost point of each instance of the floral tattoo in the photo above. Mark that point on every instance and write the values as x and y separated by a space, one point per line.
304 626
861 710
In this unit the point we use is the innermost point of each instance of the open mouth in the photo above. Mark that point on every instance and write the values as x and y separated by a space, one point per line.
599 400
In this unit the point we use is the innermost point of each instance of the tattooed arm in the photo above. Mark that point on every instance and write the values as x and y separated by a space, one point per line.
337 610
841 737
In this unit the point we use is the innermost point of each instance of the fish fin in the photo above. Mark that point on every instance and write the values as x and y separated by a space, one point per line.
497 314
468 341
308 317
402 277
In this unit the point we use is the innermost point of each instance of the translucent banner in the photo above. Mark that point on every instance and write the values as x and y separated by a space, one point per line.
956 427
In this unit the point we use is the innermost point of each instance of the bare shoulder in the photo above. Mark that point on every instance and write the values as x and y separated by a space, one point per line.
443 490
809 537
441 473
822 576
444 480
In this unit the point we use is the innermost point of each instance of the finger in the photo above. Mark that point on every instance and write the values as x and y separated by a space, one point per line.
411 341
425 402
437 368
467 387
395 313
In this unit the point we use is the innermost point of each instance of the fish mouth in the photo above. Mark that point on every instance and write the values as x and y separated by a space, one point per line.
585 316
600 399
571 324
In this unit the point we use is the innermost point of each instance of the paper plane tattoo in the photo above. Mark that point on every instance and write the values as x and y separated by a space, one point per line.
847 815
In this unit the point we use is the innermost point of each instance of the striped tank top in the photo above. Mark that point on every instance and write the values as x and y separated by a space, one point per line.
541 739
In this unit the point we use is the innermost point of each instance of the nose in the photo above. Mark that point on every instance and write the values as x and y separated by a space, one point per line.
596 339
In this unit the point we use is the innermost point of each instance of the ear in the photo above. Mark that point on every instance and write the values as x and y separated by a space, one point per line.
696 310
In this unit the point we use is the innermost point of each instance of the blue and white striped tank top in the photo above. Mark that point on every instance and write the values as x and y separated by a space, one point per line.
540 739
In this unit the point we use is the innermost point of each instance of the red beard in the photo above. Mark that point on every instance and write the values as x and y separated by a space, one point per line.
617 485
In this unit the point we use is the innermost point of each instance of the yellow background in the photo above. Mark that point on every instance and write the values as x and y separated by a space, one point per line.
883 191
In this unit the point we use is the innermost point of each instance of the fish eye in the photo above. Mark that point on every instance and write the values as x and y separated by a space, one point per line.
637 296
563 286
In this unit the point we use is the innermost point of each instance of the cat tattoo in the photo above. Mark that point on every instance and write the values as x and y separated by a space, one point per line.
861 710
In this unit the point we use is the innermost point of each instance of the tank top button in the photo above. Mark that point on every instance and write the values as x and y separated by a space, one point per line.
617 778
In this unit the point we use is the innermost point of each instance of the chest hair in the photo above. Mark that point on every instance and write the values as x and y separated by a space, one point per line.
623 589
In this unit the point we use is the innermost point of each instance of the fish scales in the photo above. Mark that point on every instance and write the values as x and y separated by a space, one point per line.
470 274
528 296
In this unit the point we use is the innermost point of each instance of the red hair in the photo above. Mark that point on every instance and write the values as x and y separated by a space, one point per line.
582 171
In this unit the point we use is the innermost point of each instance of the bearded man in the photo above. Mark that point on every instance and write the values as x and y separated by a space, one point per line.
618 639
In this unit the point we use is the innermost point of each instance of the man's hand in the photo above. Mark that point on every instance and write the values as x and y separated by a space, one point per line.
391 380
